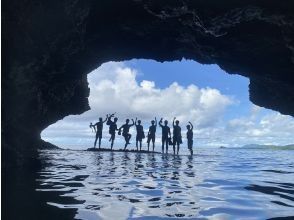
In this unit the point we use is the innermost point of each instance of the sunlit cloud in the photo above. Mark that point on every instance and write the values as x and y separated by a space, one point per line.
114 88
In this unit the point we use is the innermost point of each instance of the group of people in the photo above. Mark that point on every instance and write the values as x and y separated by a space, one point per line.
167 139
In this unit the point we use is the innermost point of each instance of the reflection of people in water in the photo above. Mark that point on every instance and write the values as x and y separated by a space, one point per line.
112 128
98 127
140 133
151 133
177 137
125 132
190 137
165 135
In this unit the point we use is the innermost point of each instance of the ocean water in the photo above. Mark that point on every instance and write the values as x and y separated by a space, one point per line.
213 184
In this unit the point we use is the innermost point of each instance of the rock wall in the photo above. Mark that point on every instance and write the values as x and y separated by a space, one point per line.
48 47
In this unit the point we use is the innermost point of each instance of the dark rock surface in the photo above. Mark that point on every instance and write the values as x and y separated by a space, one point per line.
48 146
122 150
48 47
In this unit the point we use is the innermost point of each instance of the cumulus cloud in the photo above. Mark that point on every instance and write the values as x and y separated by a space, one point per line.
114 88
271 125
119 91
260 127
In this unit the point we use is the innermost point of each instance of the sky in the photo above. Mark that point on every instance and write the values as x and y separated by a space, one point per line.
215 102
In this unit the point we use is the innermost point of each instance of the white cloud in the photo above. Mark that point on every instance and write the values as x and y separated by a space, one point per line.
113 88
119 91
262 127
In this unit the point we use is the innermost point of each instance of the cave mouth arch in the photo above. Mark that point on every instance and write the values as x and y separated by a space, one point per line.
146 88
50 46
45 67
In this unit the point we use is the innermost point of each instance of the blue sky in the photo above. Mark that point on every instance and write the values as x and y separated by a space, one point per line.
217 104
187 72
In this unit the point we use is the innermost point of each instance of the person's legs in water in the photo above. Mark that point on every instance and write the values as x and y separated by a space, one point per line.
128 138
95 142
111 146
137 140
190 142
112 140
178 145
100 137
162 142
174 145
153 143
140 145
166 145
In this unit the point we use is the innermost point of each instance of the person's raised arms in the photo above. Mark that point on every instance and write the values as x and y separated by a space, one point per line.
106 118
160 122
191 125
133 122
174 121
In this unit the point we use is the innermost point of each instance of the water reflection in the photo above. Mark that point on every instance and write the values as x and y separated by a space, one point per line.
121 185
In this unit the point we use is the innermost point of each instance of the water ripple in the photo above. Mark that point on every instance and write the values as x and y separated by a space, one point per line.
214 184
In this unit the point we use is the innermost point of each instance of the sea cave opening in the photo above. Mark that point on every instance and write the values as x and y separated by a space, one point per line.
215 102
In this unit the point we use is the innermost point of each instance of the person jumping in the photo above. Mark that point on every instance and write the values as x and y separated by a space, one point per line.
125 132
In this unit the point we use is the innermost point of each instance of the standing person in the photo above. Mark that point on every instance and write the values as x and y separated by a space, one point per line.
140 133
165 134
190 137
98 127
125 132
177 137
151 133
112 128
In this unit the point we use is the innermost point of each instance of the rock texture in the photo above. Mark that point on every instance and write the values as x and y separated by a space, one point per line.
50 46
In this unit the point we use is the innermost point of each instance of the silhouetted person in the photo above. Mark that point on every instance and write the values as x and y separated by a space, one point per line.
125 132
140 133
165 134
177 137
112 128
99 129
190 137
151 133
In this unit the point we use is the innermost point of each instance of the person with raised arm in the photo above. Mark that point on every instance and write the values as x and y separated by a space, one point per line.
190 137
151 134
125 132
93 129
112 128
177 137
165 134
140 134
98 127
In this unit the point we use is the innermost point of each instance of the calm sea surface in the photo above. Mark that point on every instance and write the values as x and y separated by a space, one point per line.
213 184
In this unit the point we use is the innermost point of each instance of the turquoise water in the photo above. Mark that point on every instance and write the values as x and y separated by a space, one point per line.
213 184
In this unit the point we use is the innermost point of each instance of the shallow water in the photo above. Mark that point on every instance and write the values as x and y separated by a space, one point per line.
213 184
